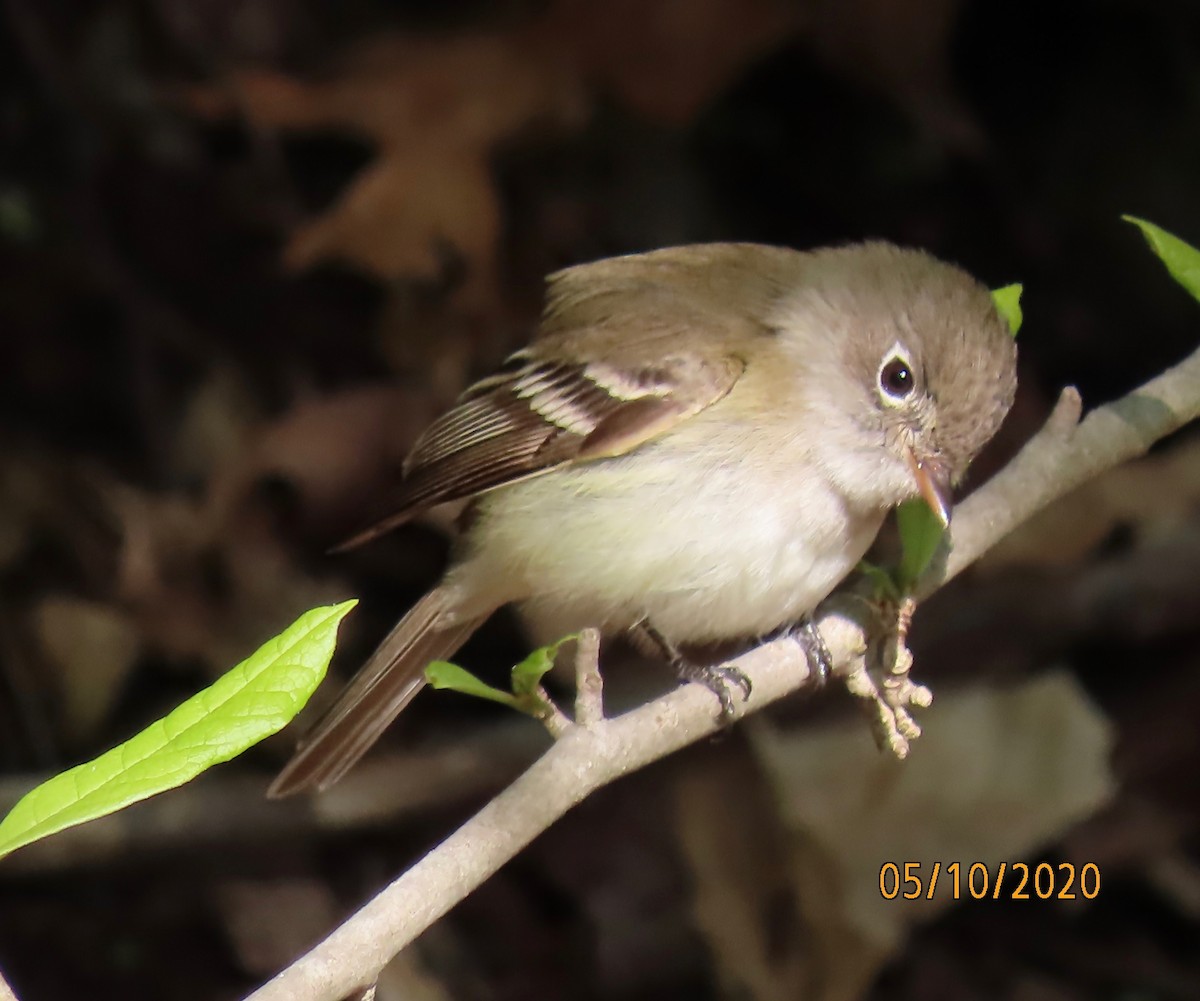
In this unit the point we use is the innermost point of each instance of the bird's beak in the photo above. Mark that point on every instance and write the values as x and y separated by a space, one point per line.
933 481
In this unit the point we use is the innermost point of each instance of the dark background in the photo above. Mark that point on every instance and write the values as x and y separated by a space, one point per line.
247 249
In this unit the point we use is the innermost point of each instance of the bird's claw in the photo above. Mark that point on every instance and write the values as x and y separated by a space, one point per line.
820 661
718 679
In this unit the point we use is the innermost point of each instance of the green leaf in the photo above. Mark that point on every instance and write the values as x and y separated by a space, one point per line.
1182 259
527 675
1008 304
443 674
920 535
884 583
245 705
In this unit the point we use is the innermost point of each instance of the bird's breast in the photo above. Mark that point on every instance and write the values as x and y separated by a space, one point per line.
705 550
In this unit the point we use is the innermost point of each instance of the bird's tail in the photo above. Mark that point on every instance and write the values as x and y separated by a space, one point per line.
377 694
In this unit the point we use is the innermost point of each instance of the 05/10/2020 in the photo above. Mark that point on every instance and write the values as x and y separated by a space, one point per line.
1012 881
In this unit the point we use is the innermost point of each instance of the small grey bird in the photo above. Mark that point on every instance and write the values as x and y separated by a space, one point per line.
699 444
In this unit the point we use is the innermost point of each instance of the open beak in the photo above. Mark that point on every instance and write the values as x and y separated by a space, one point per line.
933 481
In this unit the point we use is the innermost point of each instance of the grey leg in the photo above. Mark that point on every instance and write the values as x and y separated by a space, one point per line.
716 678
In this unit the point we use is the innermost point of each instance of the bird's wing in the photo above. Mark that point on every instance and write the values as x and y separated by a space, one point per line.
628 348
542 413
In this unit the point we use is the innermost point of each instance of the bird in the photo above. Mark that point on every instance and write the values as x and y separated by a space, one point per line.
698 445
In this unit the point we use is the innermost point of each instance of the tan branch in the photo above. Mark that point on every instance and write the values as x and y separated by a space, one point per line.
1060 457
6 992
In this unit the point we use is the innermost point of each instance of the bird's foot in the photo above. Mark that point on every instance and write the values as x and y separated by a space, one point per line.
718 679
820 661
881 677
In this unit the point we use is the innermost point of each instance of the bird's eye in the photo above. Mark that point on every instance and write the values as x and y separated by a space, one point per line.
896 379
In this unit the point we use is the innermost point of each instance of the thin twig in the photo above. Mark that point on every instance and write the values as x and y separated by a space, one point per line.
583 760
589 686
557 723
1060 457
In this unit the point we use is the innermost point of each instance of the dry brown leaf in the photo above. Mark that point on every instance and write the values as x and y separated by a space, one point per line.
1153 497
402 211
93 646
269 923
405 978
997 774
435 108
203 590
332 450
901 50
158 576
20 486
216 421
667 59
735 845
204 579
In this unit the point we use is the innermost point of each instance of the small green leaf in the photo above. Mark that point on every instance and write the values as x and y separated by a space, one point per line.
920 535
245 705
443 674
885 585
527 675
1008 305
526 678
1182 259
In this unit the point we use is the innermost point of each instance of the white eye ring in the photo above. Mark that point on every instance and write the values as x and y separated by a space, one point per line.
895 378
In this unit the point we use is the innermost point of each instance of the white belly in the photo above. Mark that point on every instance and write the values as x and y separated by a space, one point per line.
703 553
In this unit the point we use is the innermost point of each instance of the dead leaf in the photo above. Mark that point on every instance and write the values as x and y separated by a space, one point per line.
406 978
731 836
335 452
1153 497
901 50
435 108
203 579
997 774
666 60
19 489
94 646
215 423
202 589
401 211
270 922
